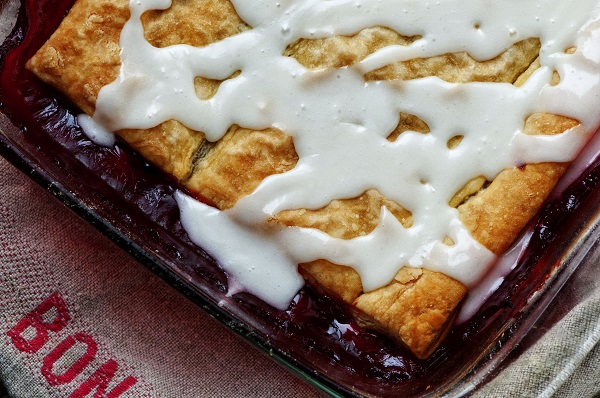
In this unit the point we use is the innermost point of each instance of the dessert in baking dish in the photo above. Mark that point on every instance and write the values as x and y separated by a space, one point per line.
386 150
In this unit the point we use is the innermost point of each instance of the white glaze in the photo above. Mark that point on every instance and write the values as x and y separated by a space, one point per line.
339 123
95 131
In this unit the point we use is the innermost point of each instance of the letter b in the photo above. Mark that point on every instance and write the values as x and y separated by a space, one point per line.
35 320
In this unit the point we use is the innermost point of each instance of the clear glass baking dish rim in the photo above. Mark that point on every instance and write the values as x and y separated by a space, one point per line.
575 252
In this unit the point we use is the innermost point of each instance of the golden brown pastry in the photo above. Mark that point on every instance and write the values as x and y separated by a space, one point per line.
418 306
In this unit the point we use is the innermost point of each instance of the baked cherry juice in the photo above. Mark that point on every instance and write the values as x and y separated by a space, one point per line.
317 331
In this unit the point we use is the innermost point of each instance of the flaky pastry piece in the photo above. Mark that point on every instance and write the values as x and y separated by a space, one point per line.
418 307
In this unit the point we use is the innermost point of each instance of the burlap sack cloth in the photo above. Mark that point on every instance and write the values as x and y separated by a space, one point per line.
110 325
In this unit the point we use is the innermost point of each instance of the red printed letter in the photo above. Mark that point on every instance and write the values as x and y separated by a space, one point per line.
35 319
74 369
100 380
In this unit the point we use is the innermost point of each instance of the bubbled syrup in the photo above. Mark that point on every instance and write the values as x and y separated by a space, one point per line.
317 330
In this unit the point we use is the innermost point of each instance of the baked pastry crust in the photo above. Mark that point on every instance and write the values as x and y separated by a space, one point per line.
418 306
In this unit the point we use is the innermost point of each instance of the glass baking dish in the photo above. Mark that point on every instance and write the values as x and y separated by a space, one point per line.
317 337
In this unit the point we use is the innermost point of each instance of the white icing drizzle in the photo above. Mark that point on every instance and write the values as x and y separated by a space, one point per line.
339 123
95 131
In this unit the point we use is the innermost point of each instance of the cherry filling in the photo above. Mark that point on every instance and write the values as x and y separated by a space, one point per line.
317 331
